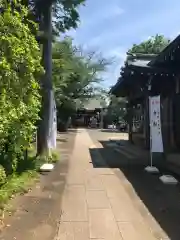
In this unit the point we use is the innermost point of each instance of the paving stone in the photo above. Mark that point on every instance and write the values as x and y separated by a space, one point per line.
73 231
65 231
93 182
75 177
132 231
122 210
81 230
74 206
128 231
97 199
113 186
103 225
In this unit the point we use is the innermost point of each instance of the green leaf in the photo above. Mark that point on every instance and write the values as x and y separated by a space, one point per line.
20 72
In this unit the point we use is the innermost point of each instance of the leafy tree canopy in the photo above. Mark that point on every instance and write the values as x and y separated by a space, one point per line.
65 13
76 76
153 45
116 109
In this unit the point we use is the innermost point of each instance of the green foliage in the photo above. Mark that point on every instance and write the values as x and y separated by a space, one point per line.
55 156
20 70
75 76
2 175
16 184
116 109
65 14
154 45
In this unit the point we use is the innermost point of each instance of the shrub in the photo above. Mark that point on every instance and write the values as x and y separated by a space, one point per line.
20 71
2 175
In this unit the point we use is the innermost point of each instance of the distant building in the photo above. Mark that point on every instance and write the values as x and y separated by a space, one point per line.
92 108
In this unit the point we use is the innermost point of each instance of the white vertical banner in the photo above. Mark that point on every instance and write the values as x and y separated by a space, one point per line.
155 124
53 124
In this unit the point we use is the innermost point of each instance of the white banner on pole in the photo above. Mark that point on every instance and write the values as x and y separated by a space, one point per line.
155 124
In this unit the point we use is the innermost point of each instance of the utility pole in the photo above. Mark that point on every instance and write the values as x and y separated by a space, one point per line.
47 90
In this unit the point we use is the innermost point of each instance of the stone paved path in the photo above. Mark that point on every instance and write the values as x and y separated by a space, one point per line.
95 203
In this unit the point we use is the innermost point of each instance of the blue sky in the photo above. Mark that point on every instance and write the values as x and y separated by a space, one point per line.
112 26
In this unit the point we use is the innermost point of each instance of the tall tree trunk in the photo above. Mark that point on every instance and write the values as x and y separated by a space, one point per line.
44 124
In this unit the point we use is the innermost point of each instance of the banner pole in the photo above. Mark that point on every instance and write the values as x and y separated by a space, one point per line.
151 151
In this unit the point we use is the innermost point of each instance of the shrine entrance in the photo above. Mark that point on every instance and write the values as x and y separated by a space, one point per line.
83 116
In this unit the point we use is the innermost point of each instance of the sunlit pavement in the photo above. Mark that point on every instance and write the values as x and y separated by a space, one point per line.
99 202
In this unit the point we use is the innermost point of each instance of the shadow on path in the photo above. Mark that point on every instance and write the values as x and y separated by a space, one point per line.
162 201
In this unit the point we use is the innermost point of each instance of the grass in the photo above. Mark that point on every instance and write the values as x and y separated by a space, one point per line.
54 157
16 184
26 176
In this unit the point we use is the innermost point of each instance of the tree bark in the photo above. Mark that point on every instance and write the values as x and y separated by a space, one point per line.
44 123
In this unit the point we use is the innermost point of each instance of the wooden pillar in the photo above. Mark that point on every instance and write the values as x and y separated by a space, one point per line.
147 123
169 117
130 121
147 94
171 128
165 123
176 114
177 87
